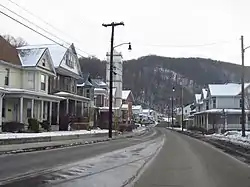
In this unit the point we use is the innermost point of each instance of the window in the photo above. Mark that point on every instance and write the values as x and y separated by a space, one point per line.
70 60
87 93
207 105
3 109
31 78
43 82
7 77
43 62
240 119
240 102
29 109
214 102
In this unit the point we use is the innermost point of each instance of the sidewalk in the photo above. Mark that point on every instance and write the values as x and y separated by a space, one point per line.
39 146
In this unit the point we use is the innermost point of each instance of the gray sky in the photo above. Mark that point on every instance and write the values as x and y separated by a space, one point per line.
172 28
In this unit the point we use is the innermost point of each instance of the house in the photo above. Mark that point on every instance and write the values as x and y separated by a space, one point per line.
101 93
221 107
24 84
127 102
64 84
136 109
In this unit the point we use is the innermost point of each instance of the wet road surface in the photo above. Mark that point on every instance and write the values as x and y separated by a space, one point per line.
187 162
32 169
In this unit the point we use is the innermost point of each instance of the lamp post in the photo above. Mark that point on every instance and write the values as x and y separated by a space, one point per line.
243 117
112 25
172 102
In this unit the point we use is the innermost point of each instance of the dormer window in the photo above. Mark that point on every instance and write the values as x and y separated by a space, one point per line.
43 63
70 59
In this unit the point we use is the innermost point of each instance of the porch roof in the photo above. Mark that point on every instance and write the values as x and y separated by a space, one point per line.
67 95
106 108
220 111
23 92
3 90
124 107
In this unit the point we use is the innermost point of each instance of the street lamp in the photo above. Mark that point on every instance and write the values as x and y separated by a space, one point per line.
172 102
128 43
243 118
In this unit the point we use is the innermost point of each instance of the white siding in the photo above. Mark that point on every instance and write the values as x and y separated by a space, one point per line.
228 102
14 76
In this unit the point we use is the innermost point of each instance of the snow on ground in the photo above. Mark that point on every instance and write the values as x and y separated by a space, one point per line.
112 169
139 129
176 128
49 134
233 136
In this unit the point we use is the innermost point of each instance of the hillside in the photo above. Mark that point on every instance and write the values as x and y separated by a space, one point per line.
151 78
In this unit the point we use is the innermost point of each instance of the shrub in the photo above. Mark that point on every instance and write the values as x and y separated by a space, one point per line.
33 125
45 124
13 127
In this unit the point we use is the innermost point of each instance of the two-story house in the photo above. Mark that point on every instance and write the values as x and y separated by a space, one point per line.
127 102
24 78
221 108
64 84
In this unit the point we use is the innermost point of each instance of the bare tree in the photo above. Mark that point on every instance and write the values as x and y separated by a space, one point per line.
15 42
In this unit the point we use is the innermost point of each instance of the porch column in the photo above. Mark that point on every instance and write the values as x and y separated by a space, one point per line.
50 112
82 108
21 110
75 107
32 108
58 113
42 105
67 106
1 107
226 122
207 122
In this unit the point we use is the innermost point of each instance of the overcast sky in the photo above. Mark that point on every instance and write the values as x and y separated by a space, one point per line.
172 28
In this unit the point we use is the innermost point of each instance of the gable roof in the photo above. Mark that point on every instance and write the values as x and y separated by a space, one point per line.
204 93
197 98
99 83
30 57
229 89
8 53
85 81
57 52
126 93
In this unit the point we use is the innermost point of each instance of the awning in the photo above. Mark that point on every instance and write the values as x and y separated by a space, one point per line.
32 94
71 96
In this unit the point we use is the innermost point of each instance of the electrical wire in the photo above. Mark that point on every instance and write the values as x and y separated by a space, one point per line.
36 31
45 30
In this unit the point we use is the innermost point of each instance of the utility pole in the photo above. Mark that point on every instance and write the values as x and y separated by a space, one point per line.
182 109
112 25
172 102
242 89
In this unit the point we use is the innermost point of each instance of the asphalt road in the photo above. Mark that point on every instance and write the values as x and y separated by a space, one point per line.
187 162
23 166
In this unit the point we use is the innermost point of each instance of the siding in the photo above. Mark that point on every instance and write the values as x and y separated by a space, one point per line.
15 80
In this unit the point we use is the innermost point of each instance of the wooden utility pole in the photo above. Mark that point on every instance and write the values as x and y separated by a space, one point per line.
243 119
112 25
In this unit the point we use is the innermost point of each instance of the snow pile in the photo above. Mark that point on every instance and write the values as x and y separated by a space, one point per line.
233 136
139 129
117 168
176 128
49 134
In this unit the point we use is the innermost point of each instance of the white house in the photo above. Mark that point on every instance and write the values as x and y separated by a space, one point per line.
25 84
137 109
220 107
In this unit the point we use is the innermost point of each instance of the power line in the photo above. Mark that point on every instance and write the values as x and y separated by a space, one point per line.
185 46
35 31
47 23
34 24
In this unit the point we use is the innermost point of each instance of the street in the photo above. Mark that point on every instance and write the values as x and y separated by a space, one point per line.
187 162
181 162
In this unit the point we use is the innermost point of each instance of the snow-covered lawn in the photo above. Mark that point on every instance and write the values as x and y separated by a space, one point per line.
49 134
233 136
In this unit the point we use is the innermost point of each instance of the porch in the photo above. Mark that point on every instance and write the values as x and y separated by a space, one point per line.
19 105
218 119
75 107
